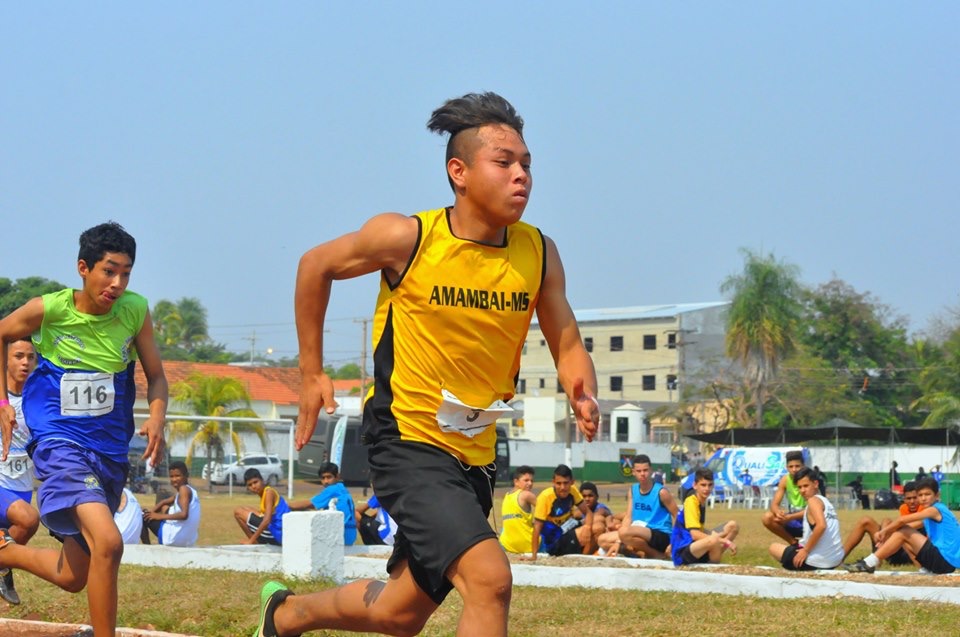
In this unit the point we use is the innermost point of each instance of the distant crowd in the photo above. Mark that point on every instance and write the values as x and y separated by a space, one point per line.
563 519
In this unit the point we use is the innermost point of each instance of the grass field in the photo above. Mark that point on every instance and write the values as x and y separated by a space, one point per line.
224 603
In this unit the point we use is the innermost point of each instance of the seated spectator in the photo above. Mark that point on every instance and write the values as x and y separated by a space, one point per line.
647 523
921 474
175 521
787 524
690 543
870 527
603 518
334 495
375 524
857 485
820 547
263 525
517 512
129 517
938 551
821 480
553 520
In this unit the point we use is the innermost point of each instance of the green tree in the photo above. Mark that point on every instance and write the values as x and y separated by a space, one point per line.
181 332
863 339
14 294
762 320
939 404
218 396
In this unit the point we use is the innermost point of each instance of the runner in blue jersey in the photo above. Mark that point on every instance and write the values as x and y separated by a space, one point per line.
78 404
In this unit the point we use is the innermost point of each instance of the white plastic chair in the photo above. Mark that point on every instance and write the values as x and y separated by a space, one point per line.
735 494
766 496
751 494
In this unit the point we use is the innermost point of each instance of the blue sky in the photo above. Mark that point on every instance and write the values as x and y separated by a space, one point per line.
229 138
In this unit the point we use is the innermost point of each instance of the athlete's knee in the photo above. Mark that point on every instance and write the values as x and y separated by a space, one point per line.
24 522
493 584
767 519
107 546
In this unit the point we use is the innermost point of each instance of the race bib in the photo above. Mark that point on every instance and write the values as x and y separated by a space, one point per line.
456 417
86 394
15 467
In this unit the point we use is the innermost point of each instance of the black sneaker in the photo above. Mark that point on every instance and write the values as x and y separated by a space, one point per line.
272 595
7 591
859 567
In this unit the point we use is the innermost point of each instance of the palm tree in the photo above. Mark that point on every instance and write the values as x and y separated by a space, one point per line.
213 396
762 320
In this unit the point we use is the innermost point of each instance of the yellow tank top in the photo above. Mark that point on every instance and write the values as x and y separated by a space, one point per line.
456 323
517 534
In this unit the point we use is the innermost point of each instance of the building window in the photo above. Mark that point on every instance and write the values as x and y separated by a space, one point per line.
623 429
522 386
616 343
588 343
672 340
559 387
672 382
662 436
649 341
616 383
543 342
543 383
524 348
649 383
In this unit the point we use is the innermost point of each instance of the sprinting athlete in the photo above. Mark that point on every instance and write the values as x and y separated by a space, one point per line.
78 404
16 473
458 288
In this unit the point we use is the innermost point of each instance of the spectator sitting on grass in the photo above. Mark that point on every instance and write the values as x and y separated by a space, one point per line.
937 552
375 525
516 512
690 543
553 520
787 524
603 518
129 518
263 525
648 521
175 521
334 495
820 546
869 526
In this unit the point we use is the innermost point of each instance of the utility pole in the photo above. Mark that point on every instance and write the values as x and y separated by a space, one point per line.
253 344
363 357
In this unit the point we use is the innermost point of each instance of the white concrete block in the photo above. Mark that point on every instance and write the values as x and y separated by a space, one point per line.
313 544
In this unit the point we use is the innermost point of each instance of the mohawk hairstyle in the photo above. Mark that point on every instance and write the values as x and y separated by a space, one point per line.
470 112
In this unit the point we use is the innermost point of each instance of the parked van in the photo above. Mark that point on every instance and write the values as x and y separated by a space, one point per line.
355 466
765 464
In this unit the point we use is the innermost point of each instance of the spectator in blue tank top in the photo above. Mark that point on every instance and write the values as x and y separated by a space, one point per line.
938 551
647 523
335 493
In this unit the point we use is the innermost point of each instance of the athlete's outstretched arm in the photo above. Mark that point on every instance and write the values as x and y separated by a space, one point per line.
559 327
23 321
385 243
157 391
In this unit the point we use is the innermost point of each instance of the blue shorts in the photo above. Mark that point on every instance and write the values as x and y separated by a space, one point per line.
69 476
9 497
794 528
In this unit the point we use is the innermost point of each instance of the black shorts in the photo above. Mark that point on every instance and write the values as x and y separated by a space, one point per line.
439 504
266 536
687 557
931 559
568 544
659 541
786 560
370 530
900 558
